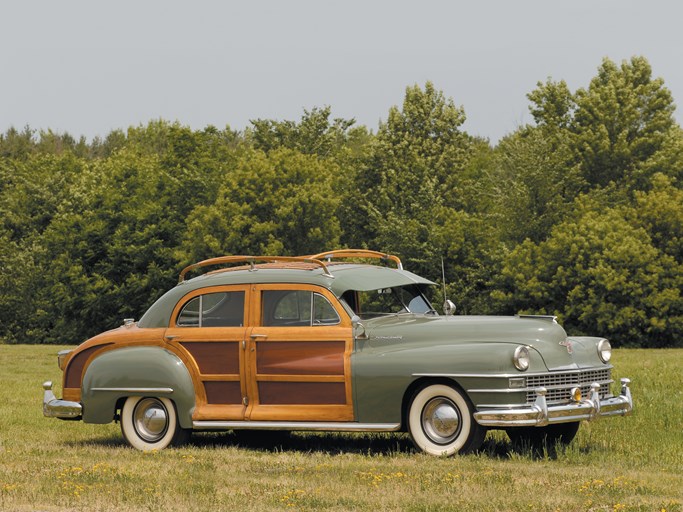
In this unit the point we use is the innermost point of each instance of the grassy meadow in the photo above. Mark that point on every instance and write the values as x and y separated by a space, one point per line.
619 464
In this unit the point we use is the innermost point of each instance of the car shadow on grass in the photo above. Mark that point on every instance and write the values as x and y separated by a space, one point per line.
305 442
386 444
281 441
332 443
505 449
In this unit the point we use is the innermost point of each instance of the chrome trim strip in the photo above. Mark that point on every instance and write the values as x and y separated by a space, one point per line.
527 389
507 390
62 409
481 407
547 318
540 414
135 390
519 374
297 425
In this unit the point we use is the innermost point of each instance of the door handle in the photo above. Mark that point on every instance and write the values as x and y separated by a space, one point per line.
171 337
253 336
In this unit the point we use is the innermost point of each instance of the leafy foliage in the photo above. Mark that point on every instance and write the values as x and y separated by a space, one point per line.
579 215
599 274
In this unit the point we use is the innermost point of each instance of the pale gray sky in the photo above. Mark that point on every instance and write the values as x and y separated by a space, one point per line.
88 67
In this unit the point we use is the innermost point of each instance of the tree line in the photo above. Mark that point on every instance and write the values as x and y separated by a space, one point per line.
578 215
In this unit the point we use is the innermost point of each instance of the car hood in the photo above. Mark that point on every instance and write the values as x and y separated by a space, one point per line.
547 337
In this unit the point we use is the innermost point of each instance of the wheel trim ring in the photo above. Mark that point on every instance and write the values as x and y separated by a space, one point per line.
150 420
441 420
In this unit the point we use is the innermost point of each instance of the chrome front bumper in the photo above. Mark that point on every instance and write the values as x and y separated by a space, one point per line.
539 414
62 409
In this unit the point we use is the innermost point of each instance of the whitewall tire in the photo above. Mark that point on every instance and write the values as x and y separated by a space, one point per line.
151 423
440 422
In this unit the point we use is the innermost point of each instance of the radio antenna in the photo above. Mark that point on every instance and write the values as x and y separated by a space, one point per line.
448 306
443 277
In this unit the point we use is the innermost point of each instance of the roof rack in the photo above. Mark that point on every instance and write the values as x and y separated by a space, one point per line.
357 253
251 259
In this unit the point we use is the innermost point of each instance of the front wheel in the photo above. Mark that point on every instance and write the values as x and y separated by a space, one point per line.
149 423
440 422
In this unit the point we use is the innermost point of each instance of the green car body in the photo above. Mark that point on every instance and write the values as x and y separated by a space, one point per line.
291 344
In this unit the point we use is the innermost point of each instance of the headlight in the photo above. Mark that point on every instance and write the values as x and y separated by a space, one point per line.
604 350
521 358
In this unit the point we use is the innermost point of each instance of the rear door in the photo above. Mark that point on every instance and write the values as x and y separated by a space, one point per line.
208 327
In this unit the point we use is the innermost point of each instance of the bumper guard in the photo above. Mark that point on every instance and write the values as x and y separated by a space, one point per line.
62 409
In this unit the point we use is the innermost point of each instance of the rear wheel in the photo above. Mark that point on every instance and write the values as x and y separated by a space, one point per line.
440 421
150 423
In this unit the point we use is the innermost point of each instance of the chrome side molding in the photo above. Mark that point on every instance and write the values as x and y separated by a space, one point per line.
297 425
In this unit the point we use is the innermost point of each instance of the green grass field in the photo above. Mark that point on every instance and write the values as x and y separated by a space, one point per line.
619 464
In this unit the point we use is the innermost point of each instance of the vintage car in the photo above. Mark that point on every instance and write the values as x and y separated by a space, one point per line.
333 342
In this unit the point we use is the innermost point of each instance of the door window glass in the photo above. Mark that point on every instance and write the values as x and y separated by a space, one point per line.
223 309
323 312
296 308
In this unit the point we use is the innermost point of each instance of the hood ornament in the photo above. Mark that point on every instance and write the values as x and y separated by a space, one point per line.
568 344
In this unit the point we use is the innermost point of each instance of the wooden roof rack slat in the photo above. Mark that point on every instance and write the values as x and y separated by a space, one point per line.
357 253
251 259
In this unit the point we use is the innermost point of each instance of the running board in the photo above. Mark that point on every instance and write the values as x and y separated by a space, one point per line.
299 425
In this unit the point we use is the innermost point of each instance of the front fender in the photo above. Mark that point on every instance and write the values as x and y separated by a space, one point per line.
136 371
383 373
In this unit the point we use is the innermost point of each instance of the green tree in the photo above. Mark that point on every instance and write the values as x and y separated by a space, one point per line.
614 126
529 187
17 145
602 276
34 189
411 172
622 119
412 196
315 134
280 202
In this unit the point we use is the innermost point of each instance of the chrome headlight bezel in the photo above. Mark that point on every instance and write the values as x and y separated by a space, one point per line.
521 358
604 350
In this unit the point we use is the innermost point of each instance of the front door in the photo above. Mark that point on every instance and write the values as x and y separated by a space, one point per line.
298 355
209 325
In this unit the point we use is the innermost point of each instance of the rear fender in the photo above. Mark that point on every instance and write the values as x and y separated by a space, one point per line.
136 371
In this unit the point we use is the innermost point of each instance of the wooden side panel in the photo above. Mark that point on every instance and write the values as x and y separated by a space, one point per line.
300 358
215 358
223 392
74 372
218 412
302 393
325 412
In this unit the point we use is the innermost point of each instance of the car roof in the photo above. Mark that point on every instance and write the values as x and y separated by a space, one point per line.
341 278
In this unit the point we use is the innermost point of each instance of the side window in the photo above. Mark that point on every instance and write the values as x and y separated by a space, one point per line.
296 308
224 309
323 312
189 316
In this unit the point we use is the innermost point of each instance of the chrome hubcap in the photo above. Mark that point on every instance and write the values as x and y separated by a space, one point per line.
441 420
150 419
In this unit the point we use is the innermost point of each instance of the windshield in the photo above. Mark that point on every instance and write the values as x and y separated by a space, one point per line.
387 301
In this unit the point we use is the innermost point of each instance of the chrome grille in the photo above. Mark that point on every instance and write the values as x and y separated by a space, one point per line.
559 384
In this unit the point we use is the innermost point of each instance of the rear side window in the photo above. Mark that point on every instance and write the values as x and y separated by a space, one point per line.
223 309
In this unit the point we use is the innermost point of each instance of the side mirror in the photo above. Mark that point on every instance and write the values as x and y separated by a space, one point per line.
358 328
448 307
